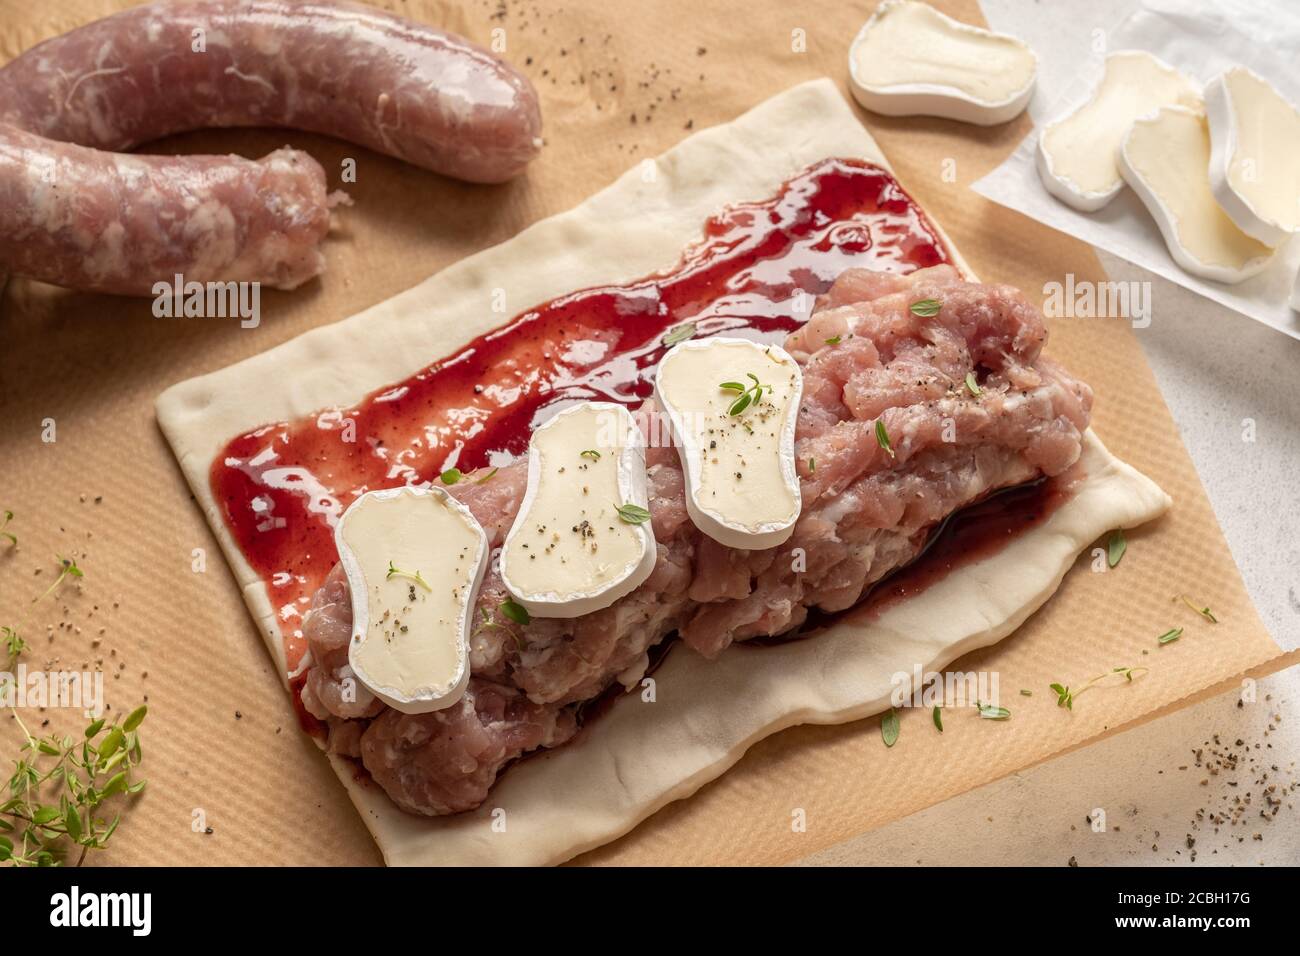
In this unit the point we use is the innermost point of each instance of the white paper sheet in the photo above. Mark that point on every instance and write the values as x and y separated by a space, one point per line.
1201 38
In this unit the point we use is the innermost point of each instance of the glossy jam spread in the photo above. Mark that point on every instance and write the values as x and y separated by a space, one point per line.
283 486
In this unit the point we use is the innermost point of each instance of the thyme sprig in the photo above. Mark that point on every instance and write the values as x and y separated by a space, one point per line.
1065 695
68 568
35 831
1204 611
395 572
749 394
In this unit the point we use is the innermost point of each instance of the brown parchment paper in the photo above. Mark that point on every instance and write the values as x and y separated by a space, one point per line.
160 613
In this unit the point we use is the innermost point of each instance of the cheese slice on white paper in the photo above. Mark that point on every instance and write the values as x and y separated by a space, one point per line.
414 560
1165 158
582 538
732 405
1077 154
911 60
1255 155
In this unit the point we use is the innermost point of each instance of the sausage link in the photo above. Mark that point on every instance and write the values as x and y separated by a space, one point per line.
117 223
401 88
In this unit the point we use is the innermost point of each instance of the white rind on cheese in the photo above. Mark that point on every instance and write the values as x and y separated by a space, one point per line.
1254 155
742 487
569 552
1165 158
410 644
911 60
1078 153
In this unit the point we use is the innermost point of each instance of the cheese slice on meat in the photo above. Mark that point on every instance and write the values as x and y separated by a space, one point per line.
414 559
732 405
582 538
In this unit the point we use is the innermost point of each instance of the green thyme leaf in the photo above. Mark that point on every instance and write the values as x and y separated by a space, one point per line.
514 611
740 404
678 333
112 740
116 784
938 718
1116 547
989 712
488 477
926 308
972 386
882 437
633 514
590 453
135 718
889 727
833 340
1171 635
450 476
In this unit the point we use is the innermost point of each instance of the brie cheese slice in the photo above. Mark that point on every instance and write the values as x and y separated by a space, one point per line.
732 405
911 60
1254 155
582 538
1077 154
1165 158
414 560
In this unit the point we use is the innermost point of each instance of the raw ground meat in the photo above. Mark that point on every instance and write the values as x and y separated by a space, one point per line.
866 355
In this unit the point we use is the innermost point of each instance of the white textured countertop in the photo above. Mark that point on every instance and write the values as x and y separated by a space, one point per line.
1216 368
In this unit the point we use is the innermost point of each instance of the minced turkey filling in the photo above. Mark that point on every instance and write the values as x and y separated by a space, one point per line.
921 394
